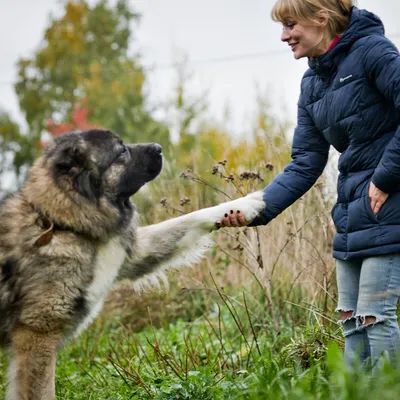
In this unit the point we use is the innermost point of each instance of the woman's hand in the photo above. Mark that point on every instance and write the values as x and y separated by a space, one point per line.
232 219
376 198
240 212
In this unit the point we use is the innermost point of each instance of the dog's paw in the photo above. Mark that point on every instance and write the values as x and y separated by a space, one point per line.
251 205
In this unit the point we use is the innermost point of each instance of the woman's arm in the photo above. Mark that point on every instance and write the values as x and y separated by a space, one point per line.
310 152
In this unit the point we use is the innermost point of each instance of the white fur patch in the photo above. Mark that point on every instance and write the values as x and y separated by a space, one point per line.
110 258
191 252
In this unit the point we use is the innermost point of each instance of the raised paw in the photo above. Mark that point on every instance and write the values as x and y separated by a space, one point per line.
250 206
240 212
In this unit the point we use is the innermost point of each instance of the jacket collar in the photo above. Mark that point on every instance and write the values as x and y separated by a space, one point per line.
362 23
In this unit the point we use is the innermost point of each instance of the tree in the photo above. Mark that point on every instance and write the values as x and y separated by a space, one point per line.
84 59
13 150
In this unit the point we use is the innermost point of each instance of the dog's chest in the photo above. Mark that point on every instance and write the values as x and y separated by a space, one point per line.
109 260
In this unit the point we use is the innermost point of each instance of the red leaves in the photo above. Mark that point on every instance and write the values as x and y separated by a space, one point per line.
79 117
79 121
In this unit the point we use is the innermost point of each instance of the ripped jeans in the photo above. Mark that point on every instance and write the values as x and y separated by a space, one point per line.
370 287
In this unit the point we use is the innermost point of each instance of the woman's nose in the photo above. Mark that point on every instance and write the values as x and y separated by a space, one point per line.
285 35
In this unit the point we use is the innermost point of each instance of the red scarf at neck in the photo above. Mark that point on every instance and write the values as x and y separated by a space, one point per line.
333 44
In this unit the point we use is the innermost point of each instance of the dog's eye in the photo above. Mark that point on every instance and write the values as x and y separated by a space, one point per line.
124 149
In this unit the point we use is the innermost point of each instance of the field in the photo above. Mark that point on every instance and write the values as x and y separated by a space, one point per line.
254 321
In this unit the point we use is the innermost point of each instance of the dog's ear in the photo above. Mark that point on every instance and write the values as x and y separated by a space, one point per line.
71 161
69 157
87 184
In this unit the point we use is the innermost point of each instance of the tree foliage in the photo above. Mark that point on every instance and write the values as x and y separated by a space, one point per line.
14 150
85 58
13 145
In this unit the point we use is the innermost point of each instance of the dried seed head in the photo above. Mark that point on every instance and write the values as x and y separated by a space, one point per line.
269 166
186 174
215 170
230 178
184 201
248 175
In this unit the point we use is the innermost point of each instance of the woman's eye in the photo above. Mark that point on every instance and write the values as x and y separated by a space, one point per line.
289 25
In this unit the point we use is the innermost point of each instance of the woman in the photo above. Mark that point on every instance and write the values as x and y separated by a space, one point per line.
350 99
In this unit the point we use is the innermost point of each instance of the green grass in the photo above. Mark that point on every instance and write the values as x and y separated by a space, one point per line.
213 344
219 352
185 360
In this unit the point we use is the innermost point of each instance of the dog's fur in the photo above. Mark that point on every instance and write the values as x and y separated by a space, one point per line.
70 233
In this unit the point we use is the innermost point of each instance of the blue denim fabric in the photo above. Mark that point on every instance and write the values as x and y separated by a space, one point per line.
370 287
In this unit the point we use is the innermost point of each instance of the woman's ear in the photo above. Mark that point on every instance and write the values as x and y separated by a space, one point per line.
323 18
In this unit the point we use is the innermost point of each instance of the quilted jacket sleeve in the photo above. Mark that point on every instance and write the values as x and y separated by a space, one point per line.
382 64
309 157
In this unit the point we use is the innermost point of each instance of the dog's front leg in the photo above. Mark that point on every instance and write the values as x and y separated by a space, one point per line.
32 370
182 241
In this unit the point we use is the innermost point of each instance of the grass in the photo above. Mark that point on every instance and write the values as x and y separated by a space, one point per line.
218 355
221 345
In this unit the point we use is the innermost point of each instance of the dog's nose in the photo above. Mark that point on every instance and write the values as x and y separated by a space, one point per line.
154 149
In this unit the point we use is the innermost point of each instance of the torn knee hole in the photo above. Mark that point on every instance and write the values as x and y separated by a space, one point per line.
368 320
345 315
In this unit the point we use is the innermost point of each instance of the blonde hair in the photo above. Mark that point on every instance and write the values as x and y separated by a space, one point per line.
308 11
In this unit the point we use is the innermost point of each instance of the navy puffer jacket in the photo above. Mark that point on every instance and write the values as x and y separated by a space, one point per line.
350 99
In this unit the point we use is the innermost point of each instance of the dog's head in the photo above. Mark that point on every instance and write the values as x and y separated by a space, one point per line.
83 181
96 163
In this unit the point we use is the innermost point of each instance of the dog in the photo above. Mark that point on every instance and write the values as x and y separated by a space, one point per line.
70 233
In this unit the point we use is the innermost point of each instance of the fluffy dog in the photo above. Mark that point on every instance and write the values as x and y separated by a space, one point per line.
70 233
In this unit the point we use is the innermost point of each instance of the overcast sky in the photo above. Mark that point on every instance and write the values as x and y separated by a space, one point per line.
204 30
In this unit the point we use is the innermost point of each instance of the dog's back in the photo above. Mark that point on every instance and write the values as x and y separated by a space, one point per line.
11 214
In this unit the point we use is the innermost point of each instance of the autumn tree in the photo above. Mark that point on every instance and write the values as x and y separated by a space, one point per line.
13 151
85 59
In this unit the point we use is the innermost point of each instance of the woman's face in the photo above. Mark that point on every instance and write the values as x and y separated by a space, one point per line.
305 40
